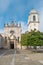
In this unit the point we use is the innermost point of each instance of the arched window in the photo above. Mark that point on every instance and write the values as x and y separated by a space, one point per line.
12 31
18 39
34 29
34 18
5 39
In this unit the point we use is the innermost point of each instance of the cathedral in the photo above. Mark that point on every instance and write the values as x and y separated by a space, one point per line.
11 36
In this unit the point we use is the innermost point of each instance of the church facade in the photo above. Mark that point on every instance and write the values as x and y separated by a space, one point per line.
11 36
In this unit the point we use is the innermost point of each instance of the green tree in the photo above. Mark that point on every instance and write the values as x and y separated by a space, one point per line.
32 39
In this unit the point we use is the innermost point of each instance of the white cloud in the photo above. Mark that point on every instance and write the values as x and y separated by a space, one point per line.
24 26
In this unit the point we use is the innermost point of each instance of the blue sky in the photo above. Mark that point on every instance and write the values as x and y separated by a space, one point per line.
18 10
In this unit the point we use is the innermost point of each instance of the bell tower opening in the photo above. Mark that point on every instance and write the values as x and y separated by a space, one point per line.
34 18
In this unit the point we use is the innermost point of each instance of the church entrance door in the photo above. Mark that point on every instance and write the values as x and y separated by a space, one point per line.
11 45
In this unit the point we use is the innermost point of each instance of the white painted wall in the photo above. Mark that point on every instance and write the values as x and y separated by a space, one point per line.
17 31
33 24
30 18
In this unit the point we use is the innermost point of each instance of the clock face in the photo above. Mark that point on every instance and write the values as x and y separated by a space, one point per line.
12 32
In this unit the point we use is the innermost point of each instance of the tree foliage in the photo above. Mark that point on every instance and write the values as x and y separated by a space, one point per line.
32 39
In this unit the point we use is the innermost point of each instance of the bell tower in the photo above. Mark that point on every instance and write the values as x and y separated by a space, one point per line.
33 21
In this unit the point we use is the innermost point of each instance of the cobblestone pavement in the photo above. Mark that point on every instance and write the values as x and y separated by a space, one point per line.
6 57
2 51
28 58
21 57
25 60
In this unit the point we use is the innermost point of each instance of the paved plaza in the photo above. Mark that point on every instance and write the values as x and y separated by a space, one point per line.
20 57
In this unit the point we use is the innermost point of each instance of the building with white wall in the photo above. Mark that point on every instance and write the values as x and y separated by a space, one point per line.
11 36
33 21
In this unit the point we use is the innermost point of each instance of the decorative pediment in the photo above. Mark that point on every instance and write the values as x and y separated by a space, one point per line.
12 37
12 24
